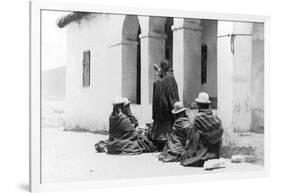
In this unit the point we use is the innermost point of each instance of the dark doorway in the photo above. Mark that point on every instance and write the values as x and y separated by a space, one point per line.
169 40
204 55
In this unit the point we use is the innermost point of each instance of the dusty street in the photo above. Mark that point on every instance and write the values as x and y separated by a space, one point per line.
70 156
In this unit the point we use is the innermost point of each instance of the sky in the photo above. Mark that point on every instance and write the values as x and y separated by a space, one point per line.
53 40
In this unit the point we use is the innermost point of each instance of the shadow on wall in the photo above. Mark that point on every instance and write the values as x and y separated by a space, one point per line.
257 124
243 144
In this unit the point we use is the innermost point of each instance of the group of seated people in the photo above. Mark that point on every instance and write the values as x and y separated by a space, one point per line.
190 143
124 136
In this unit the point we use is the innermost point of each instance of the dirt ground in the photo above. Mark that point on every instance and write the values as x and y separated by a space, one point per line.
69 156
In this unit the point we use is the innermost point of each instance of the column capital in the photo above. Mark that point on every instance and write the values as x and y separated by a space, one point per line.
188 24
124 42
153 35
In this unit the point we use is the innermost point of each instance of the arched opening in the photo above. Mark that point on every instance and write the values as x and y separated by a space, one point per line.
131 64
162 28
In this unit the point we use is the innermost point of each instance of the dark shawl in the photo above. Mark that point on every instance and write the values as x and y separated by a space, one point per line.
123 139
119 125
175 146
204 140
165 94
133 120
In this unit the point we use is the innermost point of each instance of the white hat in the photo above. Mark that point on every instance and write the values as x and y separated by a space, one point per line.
118 100
203 97
178 107
126 101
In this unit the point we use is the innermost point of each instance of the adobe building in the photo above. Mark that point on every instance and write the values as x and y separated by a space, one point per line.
110 55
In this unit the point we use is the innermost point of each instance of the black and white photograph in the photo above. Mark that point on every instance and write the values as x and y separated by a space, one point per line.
127 96
140 96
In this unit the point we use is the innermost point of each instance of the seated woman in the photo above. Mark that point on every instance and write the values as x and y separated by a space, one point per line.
204 142
175 145
123 138
126 109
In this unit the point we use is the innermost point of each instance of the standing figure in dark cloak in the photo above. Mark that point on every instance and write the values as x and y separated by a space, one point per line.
204 141
123 138
175 146
165 94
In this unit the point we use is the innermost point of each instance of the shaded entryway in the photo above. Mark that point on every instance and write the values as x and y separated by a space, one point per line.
169 40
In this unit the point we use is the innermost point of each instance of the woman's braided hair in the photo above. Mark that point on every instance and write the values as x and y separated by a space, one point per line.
165 66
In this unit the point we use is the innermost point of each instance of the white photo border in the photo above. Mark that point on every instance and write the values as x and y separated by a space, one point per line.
35 95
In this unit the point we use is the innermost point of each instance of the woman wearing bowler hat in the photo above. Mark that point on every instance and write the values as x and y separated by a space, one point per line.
205 138
123 137
175 146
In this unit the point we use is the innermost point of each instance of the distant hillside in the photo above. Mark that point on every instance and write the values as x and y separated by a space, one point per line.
53 83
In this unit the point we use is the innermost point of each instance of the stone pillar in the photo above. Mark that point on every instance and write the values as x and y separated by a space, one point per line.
124 54
257 98
242 49
234 74
129 69
115 57
152 52
225 73
187 57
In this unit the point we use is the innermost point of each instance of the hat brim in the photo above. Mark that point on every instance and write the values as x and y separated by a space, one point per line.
128 102
203 102
118 103
178 111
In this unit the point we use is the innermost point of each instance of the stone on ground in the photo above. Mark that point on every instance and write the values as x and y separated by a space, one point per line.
214 164
242 158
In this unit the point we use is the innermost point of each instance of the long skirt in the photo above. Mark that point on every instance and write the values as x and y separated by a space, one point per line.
131 143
